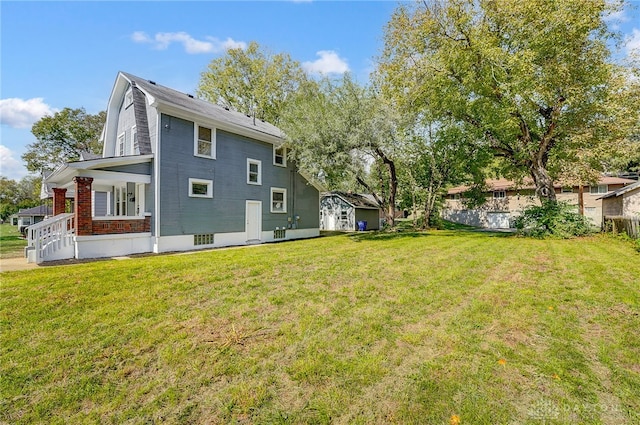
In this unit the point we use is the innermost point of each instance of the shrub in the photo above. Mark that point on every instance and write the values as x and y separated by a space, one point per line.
558 219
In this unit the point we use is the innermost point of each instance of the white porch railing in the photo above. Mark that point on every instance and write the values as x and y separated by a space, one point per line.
51 239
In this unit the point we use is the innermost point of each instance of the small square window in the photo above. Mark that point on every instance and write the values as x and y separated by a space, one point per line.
254 171
280 156
200 188
343 215
205 142
278 200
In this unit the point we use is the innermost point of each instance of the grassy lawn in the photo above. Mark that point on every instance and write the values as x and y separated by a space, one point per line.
11 242
443 327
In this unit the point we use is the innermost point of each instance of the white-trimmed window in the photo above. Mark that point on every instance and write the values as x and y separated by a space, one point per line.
499 194
120 200
254 171
120 145
278 200
199 188
134 141
205 142
280 156
599 189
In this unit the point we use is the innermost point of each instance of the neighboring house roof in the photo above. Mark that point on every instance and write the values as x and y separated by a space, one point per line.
39 210
201 107
505 184
357 200
621 191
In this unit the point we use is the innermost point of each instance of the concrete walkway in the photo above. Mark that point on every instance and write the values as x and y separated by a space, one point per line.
15 264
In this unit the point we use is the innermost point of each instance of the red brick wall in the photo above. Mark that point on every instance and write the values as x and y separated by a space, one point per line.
82 208
59 200
111 227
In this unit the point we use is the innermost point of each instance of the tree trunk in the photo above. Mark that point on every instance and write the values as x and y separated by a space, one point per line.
543 182
393 187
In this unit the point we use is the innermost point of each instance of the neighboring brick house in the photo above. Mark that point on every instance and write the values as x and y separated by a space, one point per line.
176 173
506 200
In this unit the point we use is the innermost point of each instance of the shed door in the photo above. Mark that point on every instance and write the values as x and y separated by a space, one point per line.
254 220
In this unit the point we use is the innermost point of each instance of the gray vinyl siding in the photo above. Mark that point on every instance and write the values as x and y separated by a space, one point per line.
372 217
126 120
100 207
225 212
144 168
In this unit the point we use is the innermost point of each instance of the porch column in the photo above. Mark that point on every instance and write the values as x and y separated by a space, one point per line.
59 200
82 207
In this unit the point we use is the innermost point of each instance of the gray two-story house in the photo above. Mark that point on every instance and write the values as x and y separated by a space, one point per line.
176 173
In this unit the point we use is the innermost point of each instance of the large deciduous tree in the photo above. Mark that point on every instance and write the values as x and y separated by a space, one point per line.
62 138
252 81
533 80
15 195
342 133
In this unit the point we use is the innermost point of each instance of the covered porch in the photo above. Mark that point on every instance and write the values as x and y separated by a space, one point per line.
109 213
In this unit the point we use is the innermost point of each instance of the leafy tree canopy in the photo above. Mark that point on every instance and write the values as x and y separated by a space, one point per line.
252 81
62 138
18 194
533 80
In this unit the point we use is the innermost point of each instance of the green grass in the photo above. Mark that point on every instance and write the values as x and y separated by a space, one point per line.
405 328
11 242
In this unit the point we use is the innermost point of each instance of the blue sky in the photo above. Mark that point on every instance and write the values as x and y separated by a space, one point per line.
67 54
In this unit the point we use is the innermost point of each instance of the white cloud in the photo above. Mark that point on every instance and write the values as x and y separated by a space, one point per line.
328 63
632 41
10 167
20 113
163 40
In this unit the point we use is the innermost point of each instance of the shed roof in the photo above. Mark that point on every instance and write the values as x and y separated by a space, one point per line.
357 200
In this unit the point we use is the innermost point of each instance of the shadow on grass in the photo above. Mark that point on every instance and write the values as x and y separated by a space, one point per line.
385 236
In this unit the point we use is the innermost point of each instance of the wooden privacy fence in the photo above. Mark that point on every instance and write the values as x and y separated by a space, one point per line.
619 224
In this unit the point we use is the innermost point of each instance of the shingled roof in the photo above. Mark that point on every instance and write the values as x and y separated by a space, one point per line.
355 199
201 107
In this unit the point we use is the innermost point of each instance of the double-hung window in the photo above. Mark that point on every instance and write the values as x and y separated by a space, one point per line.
278 200
134 141
280 156
254 171
121 144
205 142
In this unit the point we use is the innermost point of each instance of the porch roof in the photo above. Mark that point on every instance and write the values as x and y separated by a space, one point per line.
63 176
